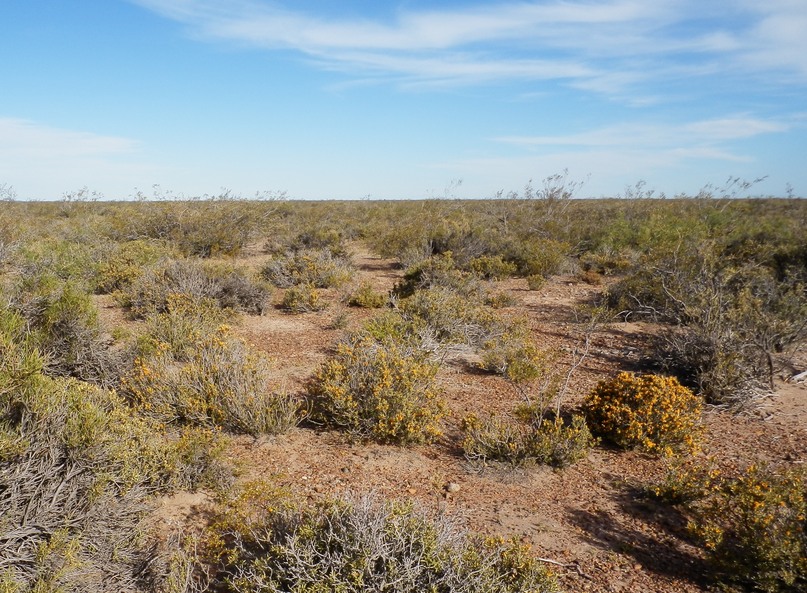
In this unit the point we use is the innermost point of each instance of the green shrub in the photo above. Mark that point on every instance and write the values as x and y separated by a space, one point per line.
654 413
549 441
63 324
366 296
754 529
439 271
363 545
303 299
219 382
536 282
730 318
377 390
492 267
316 267
229 287
76 465
511 353
125 263
446 317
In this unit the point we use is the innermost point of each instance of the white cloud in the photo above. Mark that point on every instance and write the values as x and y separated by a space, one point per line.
41 161
687 138
604 47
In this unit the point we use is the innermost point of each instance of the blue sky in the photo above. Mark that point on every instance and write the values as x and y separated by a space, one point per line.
323 99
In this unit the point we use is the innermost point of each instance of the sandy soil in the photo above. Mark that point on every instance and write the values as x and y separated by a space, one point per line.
586 518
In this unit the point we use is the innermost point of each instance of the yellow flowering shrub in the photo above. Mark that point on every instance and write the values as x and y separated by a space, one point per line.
382 391
219 382
650 412
303 299
755 529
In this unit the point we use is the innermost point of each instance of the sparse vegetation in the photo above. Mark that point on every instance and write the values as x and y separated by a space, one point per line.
134 366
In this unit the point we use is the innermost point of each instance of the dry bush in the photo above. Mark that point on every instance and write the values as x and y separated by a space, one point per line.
303 298
552 442
367 297
76 469
654 413
229 287
492 267
121 264
361 544
63 323
216 382
439 271
378 390
315 267
732 318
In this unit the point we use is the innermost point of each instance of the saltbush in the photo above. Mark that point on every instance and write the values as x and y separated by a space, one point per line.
303 298
367 297
63 323
215 381
377 390
362 545
229 287
316 267
650 412
550 441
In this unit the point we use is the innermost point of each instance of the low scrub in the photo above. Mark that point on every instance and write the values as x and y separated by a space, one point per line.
551 441
382 391
62 322
361 544
753 528
215 381
229 287
315 267
732 318
367 297
653 413
77 466
304 298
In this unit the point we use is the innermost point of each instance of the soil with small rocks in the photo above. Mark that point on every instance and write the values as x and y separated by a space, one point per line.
588 521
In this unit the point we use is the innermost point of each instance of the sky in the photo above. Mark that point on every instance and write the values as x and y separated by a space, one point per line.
356 99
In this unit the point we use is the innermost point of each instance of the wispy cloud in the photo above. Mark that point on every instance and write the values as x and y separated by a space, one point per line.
42 161
606 47
25 140
699 139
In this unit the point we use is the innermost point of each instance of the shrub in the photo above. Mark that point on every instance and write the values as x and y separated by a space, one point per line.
754 529
316 267
538 257
446 317
535 282
76 465
365 296
63 324
124 263
219 382
512 354
363 545
439 271
550 442
378 391
492 267
303 299
730 318
228 287
654 413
